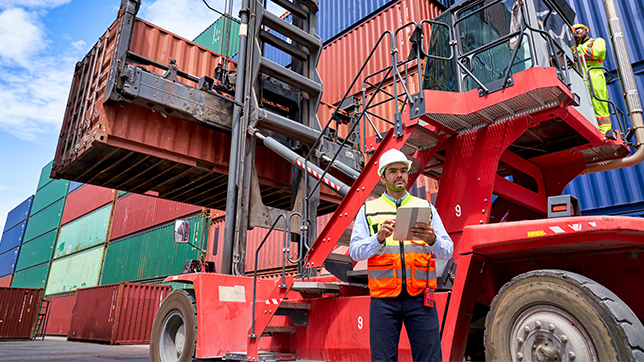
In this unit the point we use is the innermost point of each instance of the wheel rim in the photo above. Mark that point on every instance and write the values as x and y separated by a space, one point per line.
549 334
173 337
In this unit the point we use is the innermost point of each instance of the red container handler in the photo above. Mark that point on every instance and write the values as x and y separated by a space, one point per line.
59 314
19 308
119 313
86 199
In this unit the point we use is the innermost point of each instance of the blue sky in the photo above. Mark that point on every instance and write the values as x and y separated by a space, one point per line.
40 42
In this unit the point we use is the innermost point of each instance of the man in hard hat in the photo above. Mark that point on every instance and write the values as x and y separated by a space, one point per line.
402 274
593 52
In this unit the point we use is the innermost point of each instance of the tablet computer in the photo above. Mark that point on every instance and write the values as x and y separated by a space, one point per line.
407 217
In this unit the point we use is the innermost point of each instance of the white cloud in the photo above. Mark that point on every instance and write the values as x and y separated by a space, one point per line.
33 86
21 36
186 18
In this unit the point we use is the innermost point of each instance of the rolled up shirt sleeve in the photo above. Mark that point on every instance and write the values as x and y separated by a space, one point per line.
362 245
443 247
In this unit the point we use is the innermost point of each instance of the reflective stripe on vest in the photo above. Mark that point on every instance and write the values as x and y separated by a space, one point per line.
385 266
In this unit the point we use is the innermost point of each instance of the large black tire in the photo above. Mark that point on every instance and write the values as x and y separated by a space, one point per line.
555 315
174 331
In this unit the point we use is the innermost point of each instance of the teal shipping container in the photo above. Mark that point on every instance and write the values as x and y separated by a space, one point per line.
85 232
53 191
45 221
78 270
37 251
44 175
214 37
34 277
151 254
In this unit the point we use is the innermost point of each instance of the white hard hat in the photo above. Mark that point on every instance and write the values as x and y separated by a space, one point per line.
392 156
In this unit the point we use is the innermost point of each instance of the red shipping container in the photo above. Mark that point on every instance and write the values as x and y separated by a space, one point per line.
351 49
86 199
116 313
19 308
133 213
5 281
59 314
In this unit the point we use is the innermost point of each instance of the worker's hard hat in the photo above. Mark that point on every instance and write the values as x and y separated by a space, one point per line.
577 26
392 156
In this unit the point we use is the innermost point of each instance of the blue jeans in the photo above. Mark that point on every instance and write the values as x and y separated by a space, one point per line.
386 316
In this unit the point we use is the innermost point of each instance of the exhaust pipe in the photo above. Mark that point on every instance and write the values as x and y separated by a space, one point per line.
630 89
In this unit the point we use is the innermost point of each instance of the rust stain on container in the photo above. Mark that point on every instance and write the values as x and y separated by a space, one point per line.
116 313
60 314
86 199
133 213
19 308
352 48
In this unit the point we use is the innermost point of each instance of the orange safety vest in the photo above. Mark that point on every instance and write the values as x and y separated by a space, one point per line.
386 272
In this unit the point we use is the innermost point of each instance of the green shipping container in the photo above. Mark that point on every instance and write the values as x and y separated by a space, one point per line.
37 251
213 37
85 232
45 221
34 277
49 194
151 254
78 270
44 175
121 193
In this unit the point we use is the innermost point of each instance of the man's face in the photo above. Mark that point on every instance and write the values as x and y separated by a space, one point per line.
396 177
580 34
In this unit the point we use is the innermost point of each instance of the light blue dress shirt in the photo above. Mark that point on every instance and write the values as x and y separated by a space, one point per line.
363 246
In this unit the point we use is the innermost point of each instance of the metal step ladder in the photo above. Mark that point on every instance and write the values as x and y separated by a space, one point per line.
43 318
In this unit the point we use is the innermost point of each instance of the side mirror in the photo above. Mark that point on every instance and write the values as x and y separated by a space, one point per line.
182 231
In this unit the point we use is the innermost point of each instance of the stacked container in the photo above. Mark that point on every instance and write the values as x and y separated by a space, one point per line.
41 232
12 236
213 37
142 247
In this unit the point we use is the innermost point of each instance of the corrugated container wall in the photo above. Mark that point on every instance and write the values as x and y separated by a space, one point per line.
34 277
150 254
616 191
47 195
342 58
134 213
78 270
45 221
6 281
83 233
214 36
86 199
37 251
60 314
8 261
117 313
19 308
18 214
338 16
13 237
44 175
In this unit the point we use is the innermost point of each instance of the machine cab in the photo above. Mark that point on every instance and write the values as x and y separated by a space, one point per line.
495 39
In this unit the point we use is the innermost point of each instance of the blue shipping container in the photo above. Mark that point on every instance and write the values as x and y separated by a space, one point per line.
616 191
18 214
73 186
13 237
8 261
